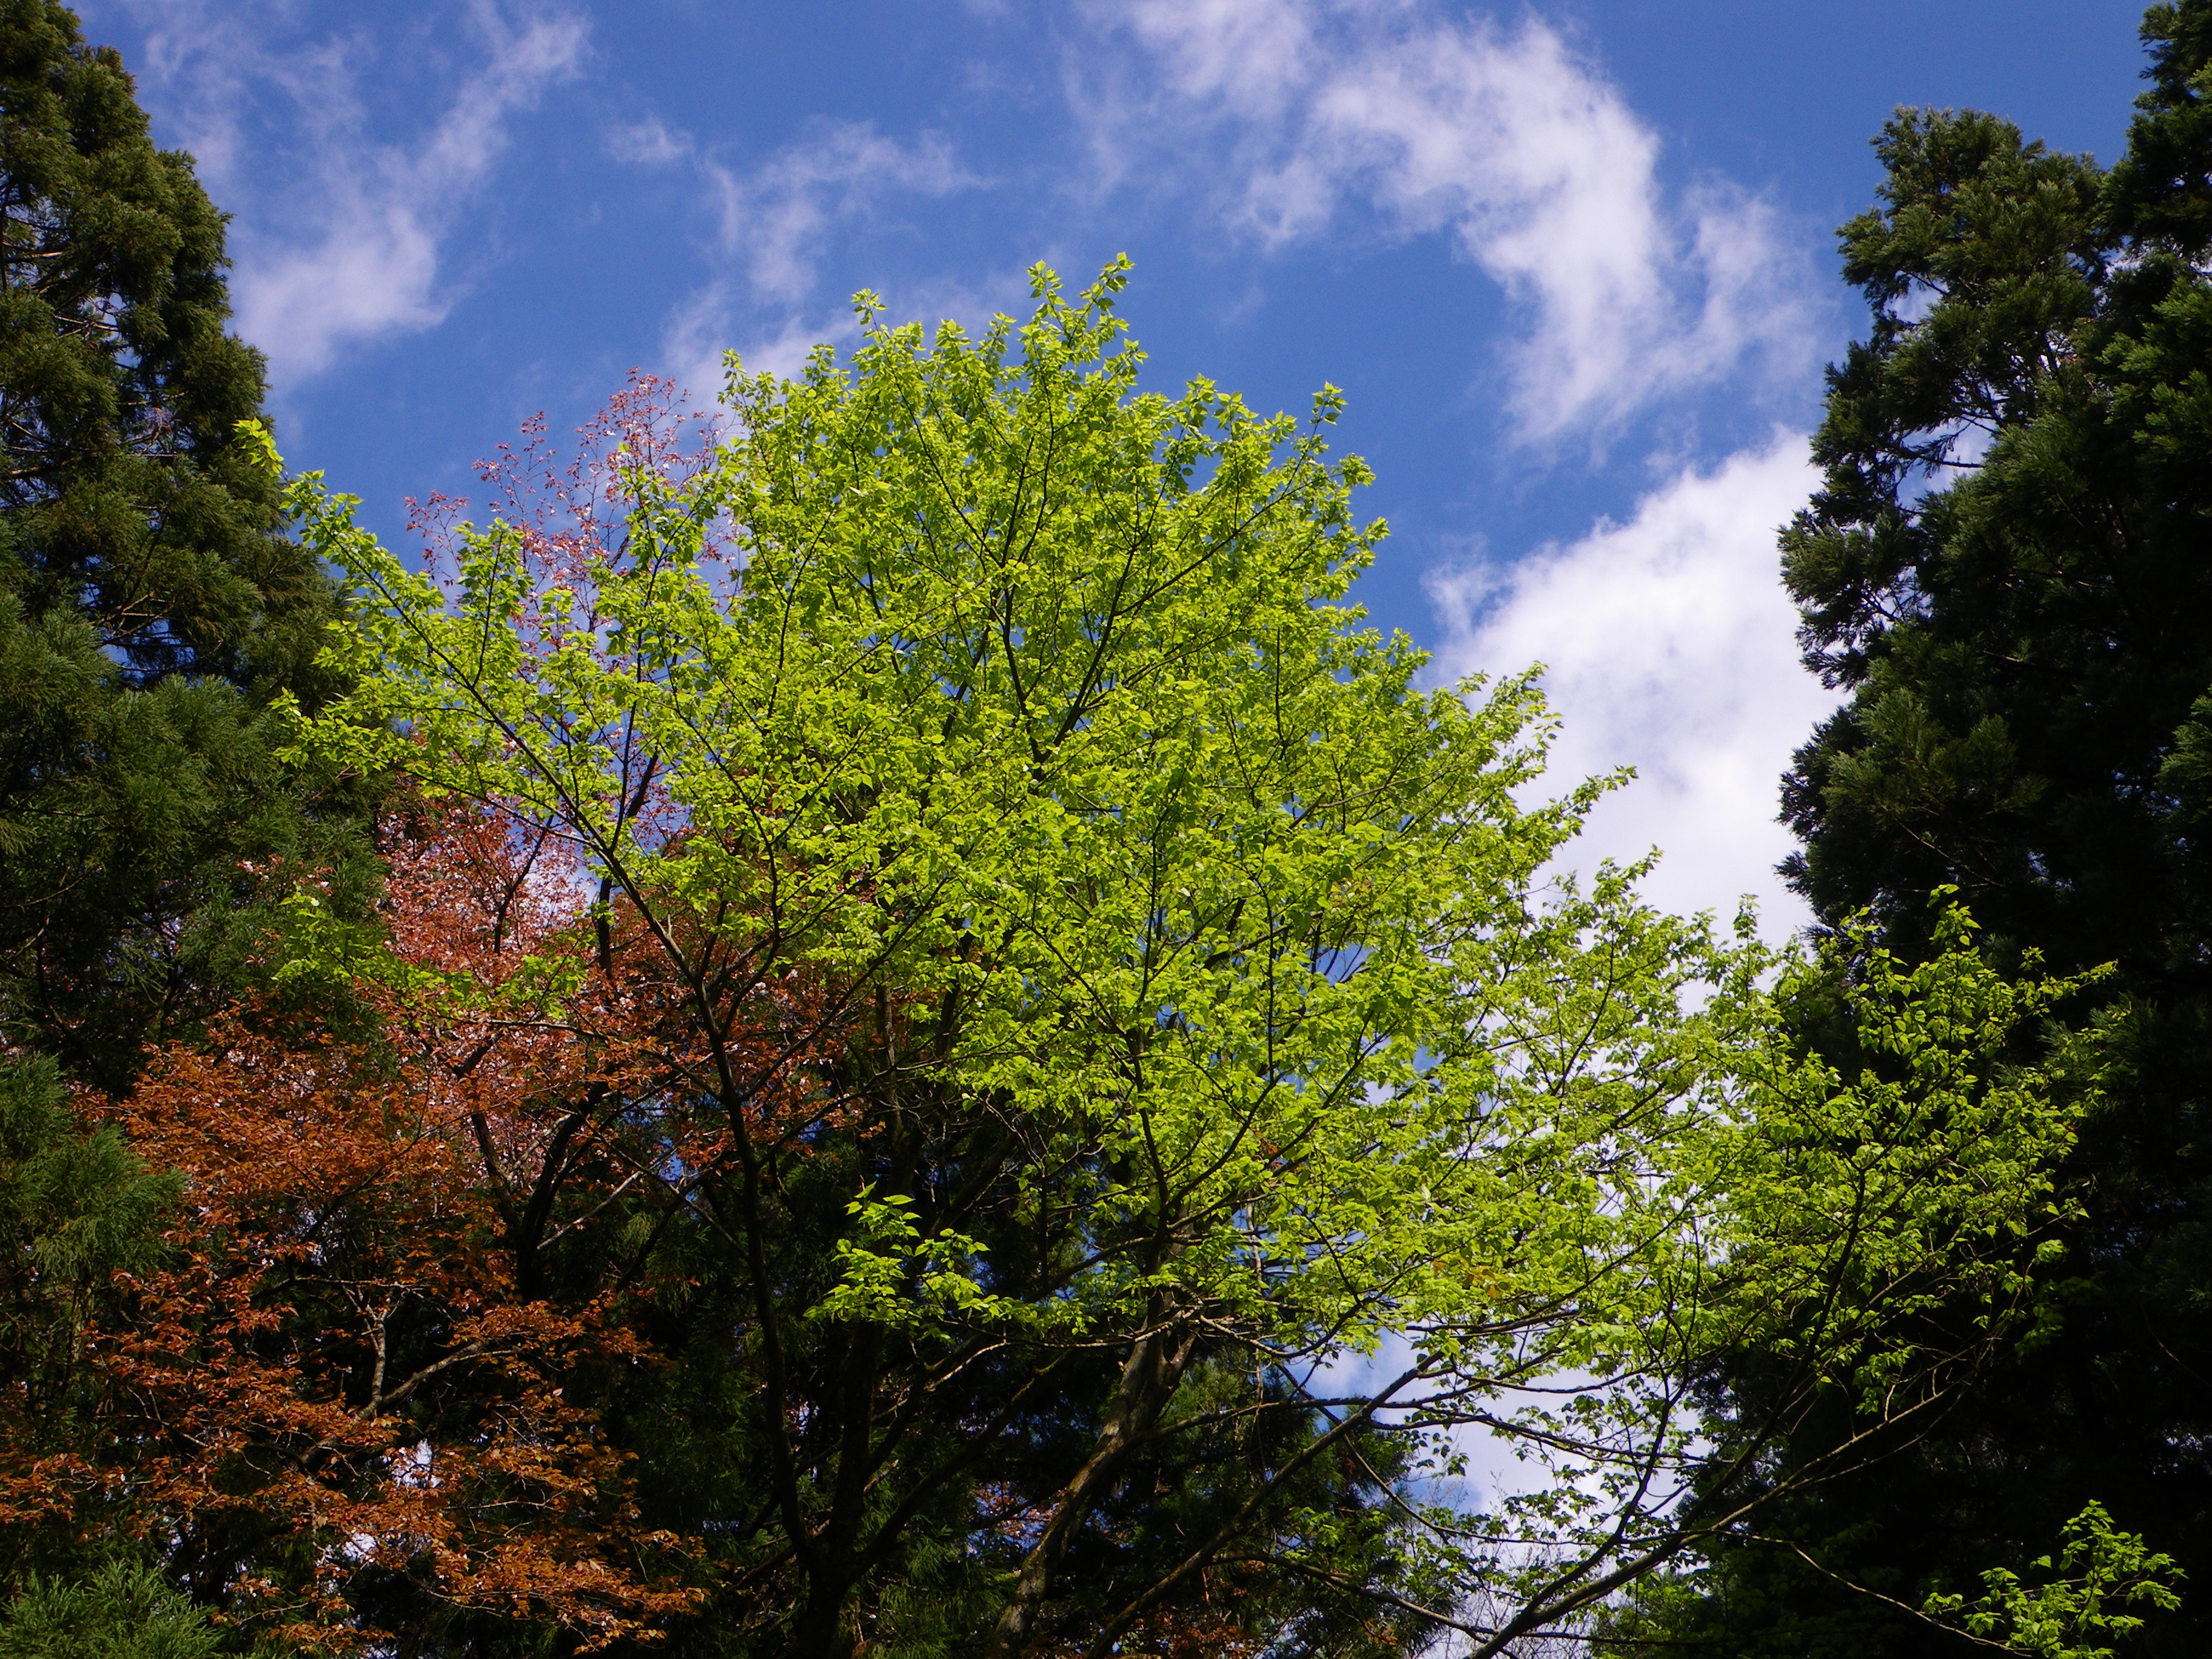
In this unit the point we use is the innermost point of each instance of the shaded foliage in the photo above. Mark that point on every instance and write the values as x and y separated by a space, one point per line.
124 1610
2006 570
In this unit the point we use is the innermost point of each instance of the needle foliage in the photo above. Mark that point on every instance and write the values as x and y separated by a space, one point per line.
150 603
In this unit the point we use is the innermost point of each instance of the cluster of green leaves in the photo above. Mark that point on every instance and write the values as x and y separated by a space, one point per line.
1223 1096
2099 1571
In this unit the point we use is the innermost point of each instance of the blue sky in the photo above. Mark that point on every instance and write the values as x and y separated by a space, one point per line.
1573 264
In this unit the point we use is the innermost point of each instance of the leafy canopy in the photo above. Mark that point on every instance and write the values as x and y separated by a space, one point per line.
1200 1082
2004 570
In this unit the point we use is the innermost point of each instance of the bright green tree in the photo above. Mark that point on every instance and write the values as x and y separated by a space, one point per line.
2005 568
150 605
1173 1121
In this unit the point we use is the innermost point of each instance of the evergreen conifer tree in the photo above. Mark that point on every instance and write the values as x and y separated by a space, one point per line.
150 605
124 1611
2009 568
151 609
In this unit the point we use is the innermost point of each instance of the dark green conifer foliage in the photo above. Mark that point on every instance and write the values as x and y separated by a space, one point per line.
80 1211
149 604
2009 568
124 1611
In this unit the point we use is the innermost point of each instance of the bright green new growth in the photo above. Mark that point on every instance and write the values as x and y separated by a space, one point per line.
1026 709
2100 1573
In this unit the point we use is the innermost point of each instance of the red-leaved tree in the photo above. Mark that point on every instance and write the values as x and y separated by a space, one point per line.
419 1246
361 1389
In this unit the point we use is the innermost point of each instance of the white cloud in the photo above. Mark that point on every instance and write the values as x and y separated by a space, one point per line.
777 216
699 330
342 231
1507 140
1670 646
650 143
774 221
712 320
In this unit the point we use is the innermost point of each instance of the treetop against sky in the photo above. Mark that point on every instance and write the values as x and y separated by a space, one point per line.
1031 872
1572 262
875 1014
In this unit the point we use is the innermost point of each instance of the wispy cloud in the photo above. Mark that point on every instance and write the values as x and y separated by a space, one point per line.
1670 646
774 221
649 143
716 318
351 246
1291 111
776 217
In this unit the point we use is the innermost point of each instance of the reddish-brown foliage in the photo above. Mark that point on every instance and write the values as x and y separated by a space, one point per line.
399 1281
355 1355
397 1285
341 1353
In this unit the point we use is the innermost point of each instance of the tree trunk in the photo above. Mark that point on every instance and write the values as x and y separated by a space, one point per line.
1149 1379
